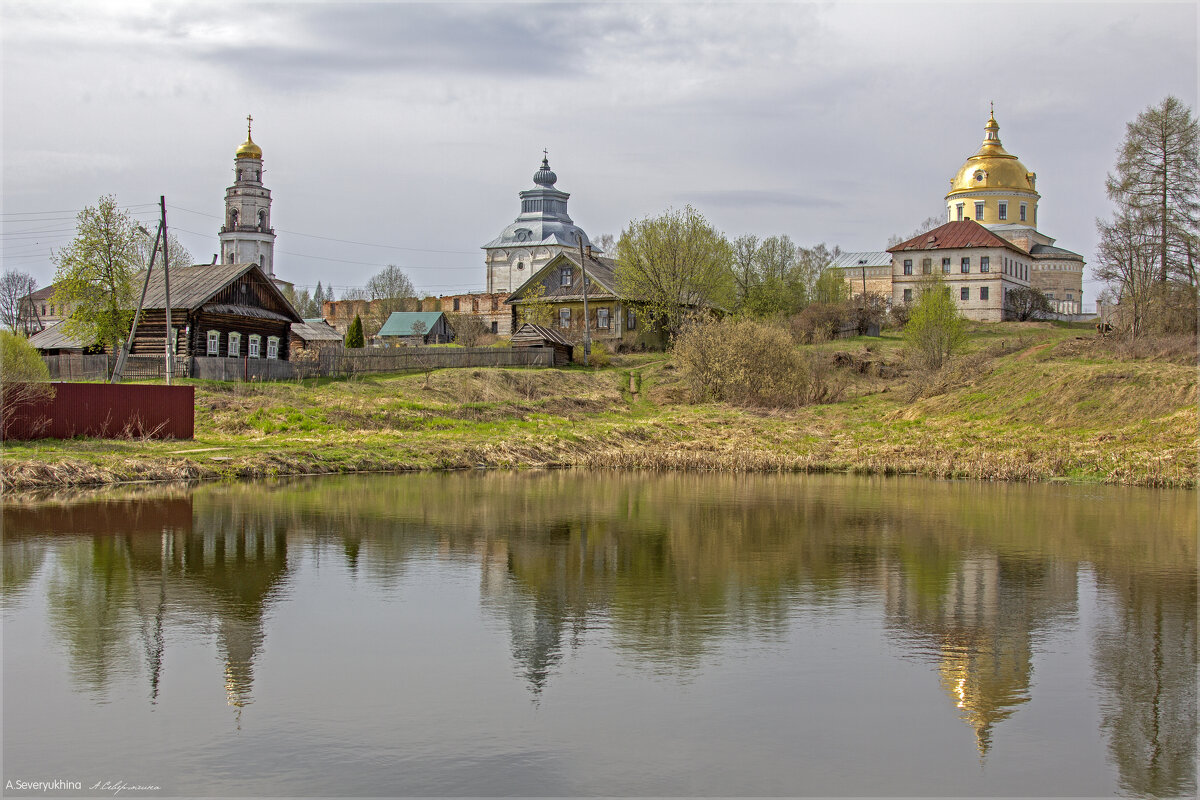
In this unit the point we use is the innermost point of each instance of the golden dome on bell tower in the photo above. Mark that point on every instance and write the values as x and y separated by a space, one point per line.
248 148
993 186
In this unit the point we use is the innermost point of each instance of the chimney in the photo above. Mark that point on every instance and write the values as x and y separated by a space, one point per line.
214 261
589 251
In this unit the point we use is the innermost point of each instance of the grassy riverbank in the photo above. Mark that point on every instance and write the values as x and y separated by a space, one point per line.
1028 402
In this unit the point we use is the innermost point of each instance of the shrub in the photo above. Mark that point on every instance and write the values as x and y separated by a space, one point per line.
601 355
935 329
742 362
24 378
819 322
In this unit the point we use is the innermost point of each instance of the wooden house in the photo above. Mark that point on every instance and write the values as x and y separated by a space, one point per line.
554 295
415 328
217 310
530 335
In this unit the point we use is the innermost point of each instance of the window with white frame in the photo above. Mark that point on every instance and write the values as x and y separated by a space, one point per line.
630 320
908 266
272 347
1003 210
966 265
235 344
564 276
946 266
564 318
214 343
959 208
602 318
979 211
985 264
1023 211
252 347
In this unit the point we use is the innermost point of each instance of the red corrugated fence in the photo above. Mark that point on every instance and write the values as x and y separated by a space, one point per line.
101 410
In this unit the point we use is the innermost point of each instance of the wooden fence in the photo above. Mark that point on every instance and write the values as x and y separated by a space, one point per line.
326 363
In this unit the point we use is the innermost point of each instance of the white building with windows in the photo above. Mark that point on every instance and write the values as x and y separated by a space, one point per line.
541 231
979 267
996 190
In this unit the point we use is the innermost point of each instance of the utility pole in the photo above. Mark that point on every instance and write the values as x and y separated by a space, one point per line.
170 346
587 324
119 368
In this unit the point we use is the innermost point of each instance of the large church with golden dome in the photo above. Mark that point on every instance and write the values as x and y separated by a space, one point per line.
996 190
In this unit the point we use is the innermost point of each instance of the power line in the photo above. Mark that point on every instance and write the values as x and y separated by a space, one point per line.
342 241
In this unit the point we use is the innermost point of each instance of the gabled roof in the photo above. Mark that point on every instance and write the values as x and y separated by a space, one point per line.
400 323
874 258
54 338
601 271
530 331
192 287
956 235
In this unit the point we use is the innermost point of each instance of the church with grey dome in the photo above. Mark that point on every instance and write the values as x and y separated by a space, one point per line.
540 232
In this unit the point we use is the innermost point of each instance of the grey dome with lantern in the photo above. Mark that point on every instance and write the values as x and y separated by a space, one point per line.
541 231
543 219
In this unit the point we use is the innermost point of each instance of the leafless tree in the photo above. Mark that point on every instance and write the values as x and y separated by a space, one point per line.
15 288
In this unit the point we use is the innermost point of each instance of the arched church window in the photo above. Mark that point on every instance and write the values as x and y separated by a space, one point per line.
233 218
262 220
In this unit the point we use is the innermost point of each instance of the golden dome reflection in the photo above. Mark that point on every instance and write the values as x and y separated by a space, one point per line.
992 167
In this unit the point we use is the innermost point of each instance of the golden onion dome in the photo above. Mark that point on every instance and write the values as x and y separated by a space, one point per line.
248 148
992 167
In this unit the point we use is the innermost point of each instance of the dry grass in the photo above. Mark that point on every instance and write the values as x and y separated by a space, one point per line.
1025 403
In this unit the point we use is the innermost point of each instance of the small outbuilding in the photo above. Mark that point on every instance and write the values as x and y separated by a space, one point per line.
53 341
530 335
415 328
314 335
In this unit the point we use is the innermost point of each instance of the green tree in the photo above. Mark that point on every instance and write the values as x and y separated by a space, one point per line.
354 336
831 287
94 274
672 263
935 330
1157 182
536 308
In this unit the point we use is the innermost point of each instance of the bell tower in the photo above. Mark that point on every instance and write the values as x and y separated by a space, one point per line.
247 235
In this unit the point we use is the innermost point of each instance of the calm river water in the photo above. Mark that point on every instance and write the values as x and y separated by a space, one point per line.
569 633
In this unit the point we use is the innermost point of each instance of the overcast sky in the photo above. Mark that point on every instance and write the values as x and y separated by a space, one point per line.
401 132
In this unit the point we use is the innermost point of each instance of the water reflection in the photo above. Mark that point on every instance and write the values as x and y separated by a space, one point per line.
668 568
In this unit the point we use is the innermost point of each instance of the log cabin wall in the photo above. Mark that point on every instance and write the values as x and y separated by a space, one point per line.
219 313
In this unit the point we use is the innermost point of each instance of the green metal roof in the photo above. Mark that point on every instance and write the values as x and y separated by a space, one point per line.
400 323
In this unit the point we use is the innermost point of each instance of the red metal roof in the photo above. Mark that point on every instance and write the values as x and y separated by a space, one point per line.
964 233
